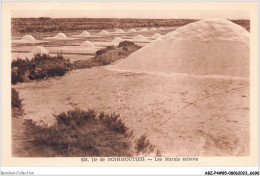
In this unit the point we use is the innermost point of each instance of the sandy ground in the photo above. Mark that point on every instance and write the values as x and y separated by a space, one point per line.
183 115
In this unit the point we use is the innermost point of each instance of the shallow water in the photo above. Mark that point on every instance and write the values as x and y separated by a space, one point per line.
68 47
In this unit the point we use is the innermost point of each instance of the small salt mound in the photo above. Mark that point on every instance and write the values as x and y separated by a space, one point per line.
161 28
103 32
61 35
143 30
85 34
28 38
206 47
87 44
153 29
39 50
116 41
119 31
131 30
139 37
36 50
157 35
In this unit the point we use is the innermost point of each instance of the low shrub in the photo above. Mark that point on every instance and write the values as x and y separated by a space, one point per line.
41 66
80 133
16 104
107 55
126 43
102 51
114 122
143 145
15 100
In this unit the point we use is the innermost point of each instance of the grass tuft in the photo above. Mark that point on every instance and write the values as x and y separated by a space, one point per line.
143 145
15 100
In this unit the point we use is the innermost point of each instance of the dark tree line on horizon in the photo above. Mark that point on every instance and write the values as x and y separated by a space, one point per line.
46 24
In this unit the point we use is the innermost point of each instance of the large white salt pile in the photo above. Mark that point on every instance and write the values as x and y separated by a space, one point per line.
206 47
153 29
28 38
157 35
161 28
143 30
119 31
131 30
87 44
116 41
85 34
103 32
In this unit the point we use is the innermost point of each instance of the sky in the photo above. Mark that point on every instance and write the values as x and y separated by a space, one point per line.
150 14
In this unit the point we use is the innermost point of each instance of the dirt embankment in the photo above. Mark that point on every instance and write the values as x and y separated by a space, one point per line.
107 55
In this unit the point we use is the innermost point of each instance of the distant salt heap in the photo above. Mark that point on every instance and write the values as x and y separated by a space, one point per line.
37 50
28 38
162 28
85 34
87 44
119 31
157 35
153 29
143 30
206 47
103 32
59 36
116 41
131 30
139 37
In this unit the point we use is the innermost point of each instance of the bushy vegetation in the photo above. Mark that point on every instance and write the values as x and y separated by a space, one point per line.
15 100
41 66
16 104
107 55
126 43
80 133
104 50
143 145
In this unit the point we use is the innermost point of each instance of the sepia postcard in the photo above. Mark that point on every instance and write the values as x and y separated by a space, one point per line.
129 84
